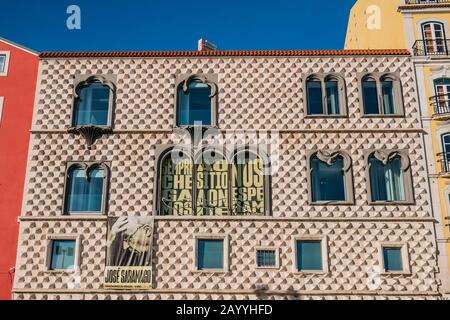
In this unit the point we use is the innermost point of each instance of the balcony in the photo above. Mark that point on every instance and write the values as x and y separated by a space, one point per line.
426 1
443 159
441 107
438 47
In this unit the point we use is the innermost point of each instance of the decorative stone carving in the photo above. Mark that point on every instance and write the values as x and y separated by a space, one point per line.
384 156
329 157
89 133
202 79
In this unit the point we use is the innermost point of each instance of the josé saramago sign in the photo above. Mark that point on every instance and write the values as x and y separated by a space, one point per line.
129 253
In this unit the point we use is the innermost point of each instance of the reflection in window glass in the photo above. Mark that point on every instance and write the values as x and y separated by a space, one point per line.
315 99
309 255
388 96
2 63
210 254
85 194
332 97
370 97
194 105
92 107
392 259
328 181
63 254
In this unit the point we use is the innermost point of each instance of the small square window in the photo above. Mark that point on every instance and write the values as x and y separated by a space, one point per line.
62 254
266 258
309 255
392 257
210 254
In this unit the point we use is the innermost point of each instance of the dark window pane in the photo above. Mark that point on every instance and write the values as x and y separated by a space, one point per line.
386 181
388 97
309 255
392 259
328 181
332 97
194 107
265 258
210 254
2 62
92 107
85 195
370 97
63 254
315 99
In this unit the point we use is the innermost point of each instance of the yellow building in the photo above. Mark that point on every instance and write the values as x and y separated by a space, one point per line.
422 26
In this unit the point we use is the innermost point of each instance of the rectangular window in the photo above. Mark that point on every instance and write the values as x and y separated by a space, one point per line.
1 110
388 97
309 255
266 258
315 98
392 257
210 254
62 254
2 63
370 97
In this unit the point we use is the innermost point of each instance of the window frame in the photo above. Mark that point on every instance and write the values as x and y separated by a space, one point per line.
268 248
403 246
378 77
323 239
49 251
7 55
106 181
210 79
348 175
82 81
407 175
323 78
226 252
229 154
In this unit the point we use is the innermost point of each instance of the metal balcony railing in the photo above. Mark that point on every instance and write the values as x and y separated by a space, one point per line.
444 159
437 47
441 105
426 1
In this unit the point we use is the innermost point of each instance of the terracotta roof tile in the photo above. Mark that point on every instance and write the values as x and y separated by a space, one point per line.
227 53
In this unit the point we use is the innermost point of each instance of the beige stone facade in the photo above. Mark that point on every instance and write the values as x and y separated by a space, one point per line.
256 93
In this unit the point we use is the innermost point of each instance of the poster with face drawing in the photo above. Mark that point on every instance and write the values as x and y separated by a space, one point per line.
129 253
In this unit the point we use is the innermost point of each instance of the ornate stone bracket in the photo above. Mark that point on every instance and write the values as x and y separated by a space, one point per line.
89 133
330 156
202 79
384 156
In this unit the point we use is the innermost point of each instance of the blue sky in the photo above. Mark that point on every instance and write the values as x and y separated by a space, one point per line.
133 25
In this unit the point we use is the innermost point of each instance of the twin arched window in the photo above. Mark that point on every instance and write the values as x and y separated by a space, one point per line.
196 100
325 95
381 94
211 184
94 97
85 189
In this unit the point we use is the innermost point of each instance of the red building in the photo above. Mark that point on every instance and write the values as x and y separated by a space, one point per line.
18 75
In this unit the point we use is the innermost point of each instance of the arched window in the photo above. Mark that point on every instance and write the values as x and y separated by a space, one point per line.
434 38
94 97
203 187
331 177
176 184
196 100
86 188
248 184
441 100
212 184
381 94
390 178
325 95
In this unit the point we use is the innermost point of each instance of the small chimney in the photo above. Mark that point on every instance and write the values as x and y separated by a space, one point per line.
204 45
